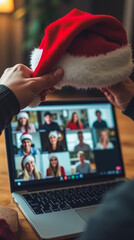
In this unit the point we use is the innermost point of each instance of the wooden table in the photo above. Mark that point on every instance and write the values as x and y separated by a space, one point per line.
126 130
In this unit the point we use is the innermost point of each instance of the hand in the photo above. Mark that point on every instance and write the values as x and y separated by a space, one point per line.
120 94
25 87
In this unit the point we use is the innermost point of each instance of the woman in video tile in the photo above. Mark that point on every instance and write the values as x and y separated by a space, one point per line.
29 169
74 123
23 123
54 144
104 142
55 170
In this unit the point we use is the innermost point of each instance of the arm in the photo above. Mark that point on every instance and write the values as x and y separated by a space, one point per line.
9 106
121 95
114 219
18 89
5 232
62 171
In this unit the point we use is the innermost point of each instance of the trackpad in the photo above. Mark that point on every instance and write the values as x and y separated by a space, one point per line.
85 213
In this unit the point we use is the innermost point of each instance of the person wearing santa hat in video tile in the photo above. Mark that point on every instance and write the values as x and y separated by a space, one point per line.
26 147
23 123
29 169
54 143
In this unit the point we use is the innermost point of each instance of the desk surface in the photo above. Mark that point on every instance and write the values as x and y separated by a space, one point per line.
126 130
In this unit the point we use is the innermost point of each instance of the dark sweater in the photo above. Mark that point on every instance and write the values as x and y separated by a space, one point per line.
9 106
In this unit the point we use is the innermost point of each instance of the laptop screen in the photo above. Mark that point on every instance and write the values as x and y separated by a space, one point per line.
60 142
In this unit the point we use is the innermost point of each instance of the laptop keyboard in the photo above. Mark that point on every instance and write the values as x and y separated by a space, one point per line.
57 200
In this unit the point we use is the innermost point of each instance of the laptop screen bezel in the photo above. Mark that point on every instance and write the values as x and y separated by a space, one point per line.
38 184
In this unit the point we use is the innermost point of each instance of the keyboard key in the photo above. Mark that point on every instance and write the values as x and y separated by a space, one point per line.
46 202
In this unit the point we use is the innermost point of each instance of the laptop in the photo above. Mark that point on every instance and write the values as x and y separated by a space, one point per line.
58 200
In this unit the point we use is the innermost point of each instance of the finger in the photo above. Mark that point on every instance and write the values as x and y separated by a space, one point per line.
102 89
52 89
24 69
49 80
110 97
105 91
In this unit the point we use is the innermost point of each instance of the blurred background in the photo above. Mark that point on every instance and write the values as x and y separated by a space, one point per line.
22 24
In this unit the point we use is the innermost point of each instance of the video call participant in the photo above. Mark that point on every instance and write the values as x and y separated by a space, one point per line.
74 123
99 123
29 169
55 170
49 125
54 144
23 123
26 147
83 167
81 146
104 142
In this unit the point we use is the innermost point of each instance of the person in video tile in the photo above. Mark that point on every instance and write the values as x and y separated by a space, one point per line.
29 169
49 125
104 142
54 144
81 146
55 170
99 123
83 167
23 123
74 123
26 147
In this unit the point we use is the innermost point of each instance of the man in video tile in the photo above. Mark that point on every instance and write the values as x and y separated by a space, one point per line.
49 125
99 123
83 166
81 146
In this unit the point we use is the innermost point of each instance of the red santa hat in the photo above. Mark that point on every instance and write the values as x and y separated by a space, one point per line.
93 50
26 159
26 135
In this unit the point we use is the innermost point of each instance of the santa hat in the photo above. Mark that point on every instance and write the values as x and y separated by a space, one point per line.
26 135
53 133
93 50
22 115
26 159
52 155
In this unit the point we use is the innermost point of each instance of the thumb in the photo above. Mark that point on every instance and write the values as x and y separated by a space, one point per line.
48 80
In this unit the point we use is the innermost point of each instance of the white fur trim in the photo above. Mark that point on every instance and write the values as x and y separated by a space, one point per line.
53 133
27 159
34 60
98 71
22 115
26 136
35 57
88 72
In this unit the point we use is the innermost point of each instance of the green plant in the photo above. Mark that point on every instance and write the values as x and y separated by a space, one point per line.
41 13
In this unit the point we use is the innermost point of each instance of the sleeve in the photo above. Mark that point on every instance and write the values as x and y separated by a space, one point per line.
129 111
5 231
68 125
81 126
62 171
9 106
105 123
114 218
32 128
47 172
